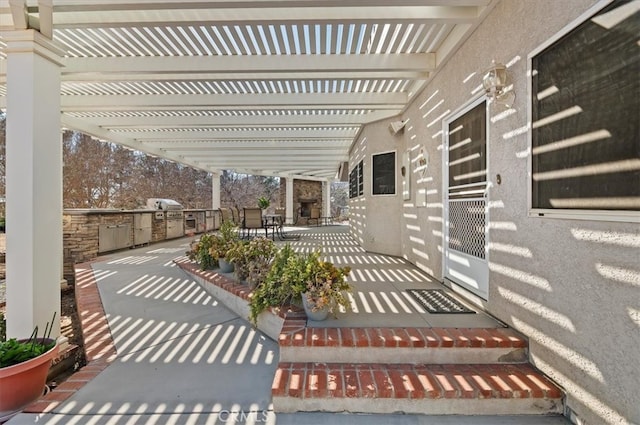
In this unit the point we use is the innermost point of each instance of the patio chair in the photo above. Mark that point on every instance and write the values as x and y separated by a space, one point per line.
237 218
225 214
252 221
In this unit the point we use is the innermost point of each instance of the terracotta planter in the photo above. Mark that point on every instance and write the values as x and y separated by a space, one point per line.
23 383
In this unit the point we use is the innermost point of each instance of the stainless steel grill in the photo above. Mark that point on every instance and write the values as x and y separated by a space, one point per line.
173 214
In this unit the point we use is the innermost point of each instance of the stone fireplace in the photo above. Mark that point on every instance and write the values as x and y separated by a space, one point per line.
306 195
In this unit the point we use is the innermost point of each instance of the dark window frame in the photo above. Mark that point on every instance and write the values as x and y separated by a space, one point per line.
381 176
356 180
582 82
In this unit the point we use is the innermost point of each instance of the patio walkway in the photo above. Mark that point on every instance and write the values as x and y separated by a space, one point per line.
162 350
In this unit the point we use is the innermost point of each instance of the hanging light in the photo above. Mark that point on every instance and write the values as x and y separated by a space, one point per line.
495 80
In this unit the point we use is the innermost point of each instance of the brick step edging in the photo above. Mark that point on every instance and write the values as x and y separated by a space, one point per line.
427 389
98 343
298 336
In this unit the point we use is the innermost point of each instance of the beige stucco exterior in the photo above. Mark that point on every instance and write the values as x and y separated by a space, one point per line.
571 286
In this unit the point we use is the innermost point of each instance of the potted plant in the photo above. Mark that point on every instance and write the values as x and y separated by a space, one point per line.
24 365
294 276
263 203
252 259
325 287
199 252
282 284
222 243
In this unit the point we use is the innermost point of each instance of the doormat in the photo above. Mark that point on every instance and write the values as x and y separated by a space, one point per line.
436 301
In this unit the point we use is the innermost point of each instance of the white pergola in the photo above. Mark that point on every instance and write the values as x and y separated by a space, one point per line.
265 87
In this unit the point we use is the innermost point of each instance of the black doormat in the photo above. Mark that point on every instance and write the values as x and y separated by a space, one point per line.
436 301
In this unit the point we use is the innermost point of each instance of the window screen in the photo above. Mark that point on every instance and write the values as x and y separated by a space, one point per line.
356 181
585 137
384 174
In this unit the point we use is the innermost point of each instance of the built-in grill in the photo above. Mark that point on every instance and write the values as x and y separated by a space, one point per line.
173 214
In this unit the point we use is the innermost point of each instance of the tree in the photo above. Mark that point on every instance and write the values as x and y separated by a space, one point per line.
243 190
106 175
93 171
339 198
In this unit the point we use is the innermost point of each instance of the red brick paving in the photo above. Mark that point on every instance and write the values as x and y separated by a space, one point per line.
98 343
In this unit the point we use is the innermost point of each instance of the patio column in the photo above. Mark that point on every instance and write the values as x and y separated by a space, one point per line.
215 190
33 183
289 200
327 198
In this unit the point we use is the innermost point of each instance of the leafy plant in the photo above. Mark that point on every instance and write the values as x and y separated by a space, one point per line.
252 259
200 252
263 202
224 240
326 284
13 351
293 275
280 285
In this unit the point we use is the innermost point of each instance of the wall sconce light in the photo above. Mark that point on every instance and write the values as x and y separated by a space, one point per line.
396 127
494 83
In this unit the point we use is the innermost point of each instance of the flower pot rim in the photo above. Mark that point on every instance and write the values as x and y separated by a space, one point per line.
44 357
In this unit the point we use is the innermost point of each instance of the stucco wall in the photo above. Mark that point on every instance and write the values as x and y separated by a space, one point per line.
572 286
376 220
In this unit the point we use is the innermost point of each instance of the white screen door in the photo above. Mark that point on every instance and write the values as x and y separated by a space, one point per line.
465 199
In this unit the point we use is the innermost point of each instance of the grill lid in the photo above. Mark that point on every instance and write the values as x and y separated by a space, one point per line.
164 204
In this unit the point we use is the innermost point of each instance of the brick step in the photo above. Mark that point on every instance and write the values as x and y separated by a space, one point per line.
474 389
401 345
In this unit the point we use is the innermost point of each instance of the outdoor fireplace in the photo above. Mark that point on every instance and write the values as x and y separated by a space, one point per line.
305 207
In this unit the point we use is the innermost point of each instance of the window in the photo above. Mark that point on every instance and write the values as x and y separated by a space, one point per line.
356 181
585 114
384 174
468 148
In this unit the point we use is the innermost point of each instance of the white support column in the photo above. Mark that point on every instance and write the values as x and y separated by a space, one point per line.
215 193
327 198
289 200
34 183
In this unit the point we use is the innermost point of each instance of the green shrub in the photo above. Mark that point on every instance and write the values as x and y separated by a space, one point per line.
224 240
252 259
282 285
293 274
200 252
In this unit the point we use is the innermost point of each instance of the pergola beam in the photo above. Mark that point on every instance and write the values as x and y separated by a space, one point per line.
246 134
221 12
223 144
362 64
244 75
301 101
133 122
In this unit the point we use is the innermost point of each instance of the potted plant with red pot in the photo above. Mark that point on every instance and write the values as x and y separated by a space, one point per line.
24 365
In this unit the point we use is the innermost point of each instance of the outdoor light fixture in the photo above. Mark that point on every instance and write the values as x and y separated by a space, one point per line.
494 82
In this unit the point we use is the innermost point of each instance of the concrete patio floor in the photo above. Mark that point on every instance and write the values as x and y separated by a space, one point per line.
181 357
